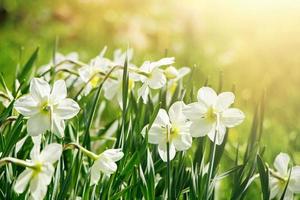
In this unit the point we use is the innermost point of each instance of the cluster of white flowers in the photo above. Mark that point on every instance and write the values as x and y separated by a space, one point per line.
209 116
47 109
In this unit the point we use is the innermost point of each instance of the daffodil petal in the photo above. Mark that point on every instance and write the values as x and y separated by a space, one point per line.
224 100
39 89
281 163
59 91
294 184
47 173
207 95
66 109
176 112
182 142
232 117
220 131
22 181
162 151
111 88
38 124
201 128
195 111
162 118
144 92
274 187
58 127
95 173
106 165
156 134
26 105
157 79
114 154
51 153
38 188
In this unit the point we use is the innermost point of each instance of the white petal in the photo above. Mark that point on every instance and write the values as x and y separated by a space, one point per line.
182 142
38 188
113 154
176 112
294 184
22 181
163 61
59 91
95 173
207 95
26 105
111 88
162 151
281 163
106 165
220 131
183 71
157 79
66 109
85 73
232 117
195 111
157 134
51 153
35 151
38 124
39 89
162 118
47 173
289 195
224 100
274 187
144 92
58 127
201 127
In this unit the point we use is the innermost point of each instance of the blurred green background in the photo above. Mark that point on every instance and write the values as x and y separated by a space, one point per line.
256 45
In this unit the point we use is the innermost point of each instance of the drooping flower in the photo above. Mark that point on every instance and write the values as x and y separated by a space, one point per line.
105 163
91 74
40 172
279 178
172 128
46 109
152 76
211 115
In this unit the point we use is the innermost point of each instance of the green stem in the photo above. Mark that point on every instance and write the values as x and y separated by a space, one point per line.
17 162
83 150
168 164
168 171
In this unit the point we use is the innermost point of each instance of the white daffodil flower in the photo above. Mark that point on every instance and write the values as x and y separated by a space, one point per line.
40 172
172 128
279 178
113 86
90 74
211 114
105 163
152 76
174 76
46 109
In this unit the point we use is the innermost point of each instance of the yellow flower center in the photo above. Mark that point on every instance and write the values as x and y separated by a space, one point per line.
130 84
37 168
94 81
174 132
45 107
211 115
